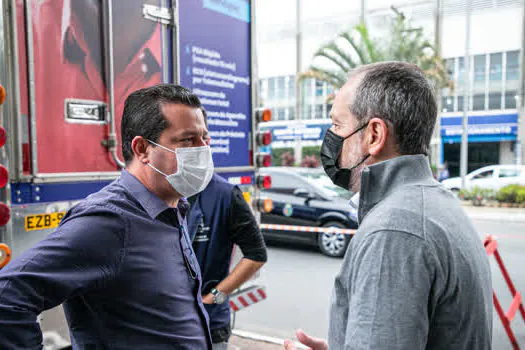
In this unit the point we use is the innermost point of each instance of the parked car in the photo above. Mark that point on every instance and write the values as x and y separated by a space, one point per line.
491 177
307 197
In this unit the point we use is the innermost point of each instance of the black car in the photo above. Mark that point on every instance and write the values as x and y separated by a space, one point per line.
307 197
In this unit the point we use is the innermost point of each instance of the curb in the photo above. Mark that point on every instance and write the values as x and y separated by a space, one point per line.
497 217
263 338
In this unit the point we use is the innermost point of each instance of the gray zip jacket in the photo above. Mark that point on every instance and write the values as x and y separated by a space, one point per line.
416 274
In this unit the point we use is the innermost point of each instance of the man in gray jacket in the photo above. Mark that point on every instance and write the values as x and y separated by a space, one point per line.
416 275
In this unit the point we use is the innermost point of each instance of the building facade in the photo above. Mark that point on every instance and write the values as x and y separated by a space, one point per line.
495 54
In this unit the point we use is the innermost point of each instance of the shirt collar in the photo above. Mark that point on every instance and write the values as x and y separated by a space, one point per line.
148 200
73 39
378 181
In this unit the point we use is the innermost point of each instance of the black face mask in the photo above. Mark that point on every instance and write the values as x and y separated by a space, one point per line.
330 151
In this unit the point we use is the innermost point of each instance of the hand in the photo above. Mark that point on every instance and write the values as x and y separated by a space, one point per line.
311 342
207 299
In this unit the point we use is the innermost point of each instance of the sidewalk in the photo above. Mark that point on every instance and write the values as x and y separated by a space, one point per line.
238 343
242 340
494 213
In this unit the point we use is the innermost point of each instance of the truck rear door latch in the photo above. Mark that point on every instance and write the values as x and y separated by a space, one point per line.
158 14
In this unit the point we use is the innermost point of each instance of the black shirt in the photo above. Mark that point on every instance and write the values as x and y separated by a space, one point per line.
243 228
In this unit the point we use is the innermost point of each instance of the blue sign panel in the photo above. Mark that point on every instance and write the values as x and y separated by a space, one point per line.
215 63
498 125
239 9
296 130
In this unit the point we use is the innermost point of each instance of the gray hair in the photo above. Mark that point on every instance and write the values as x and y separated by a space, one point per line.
400 93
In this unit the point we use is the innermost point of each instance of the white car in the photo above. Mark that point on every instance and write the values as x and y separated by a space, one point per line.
491 177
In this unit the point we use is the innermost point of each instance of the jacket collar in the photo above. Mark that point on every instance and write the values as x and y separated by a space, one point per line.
380 180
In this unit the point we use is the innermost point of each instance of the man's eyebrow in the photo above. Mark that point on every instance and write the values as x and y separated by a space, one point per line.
184 134
190 132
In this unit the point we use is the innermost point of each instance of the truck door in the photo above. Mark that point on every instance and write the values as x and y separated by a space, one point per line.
83 59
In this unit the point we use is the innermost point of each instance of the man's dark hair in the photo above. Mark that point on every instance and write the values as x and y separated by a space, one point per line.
400 93
143 113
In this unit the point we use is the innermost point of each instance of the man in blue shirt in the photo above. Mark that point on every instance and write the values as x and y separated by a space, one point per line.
121 260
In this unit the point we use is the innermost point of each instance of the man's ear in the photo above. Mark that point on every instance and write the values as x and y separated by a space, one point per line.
376 138
141 149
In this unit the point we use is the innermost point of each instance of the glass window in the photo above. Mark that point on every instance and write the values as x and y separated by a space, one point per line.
282 113
319 88
318 111
510 99
291 86
447 104
444 104
461 101
275 114
291 113
307 112
495 100
306 89
271 89
449 64
263 91
513 65
483 175
478 103
496 63
479 68
461 71
280 88
509 172
322 183
278 114
282 183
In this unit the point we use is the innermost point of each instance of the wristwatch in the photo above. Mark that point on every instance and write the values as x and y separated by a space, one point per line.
218 296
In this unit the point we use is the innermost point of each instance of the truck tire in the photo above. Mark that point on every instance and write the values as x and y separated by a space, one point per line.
333 244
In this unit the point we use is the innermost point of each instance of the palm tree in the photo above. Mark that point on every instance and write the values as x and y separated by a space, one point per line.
351 49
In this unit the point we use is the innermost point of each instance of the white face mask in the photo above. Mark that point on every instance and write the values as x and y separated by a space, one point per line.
194 169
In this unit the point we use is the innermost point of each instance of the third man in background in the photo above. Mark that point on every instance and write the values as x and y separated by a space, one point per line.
219 218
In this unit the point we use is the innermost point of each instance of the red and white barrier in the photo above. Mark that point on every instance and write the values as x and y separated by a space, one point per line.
247 297
491 246
307 229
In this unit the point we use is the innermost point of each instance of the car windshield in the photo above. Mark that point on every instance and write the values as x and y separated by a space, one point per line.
323 183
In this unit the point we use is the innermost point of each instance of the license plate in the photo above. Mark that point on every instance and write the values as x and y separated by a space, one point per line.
43 221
